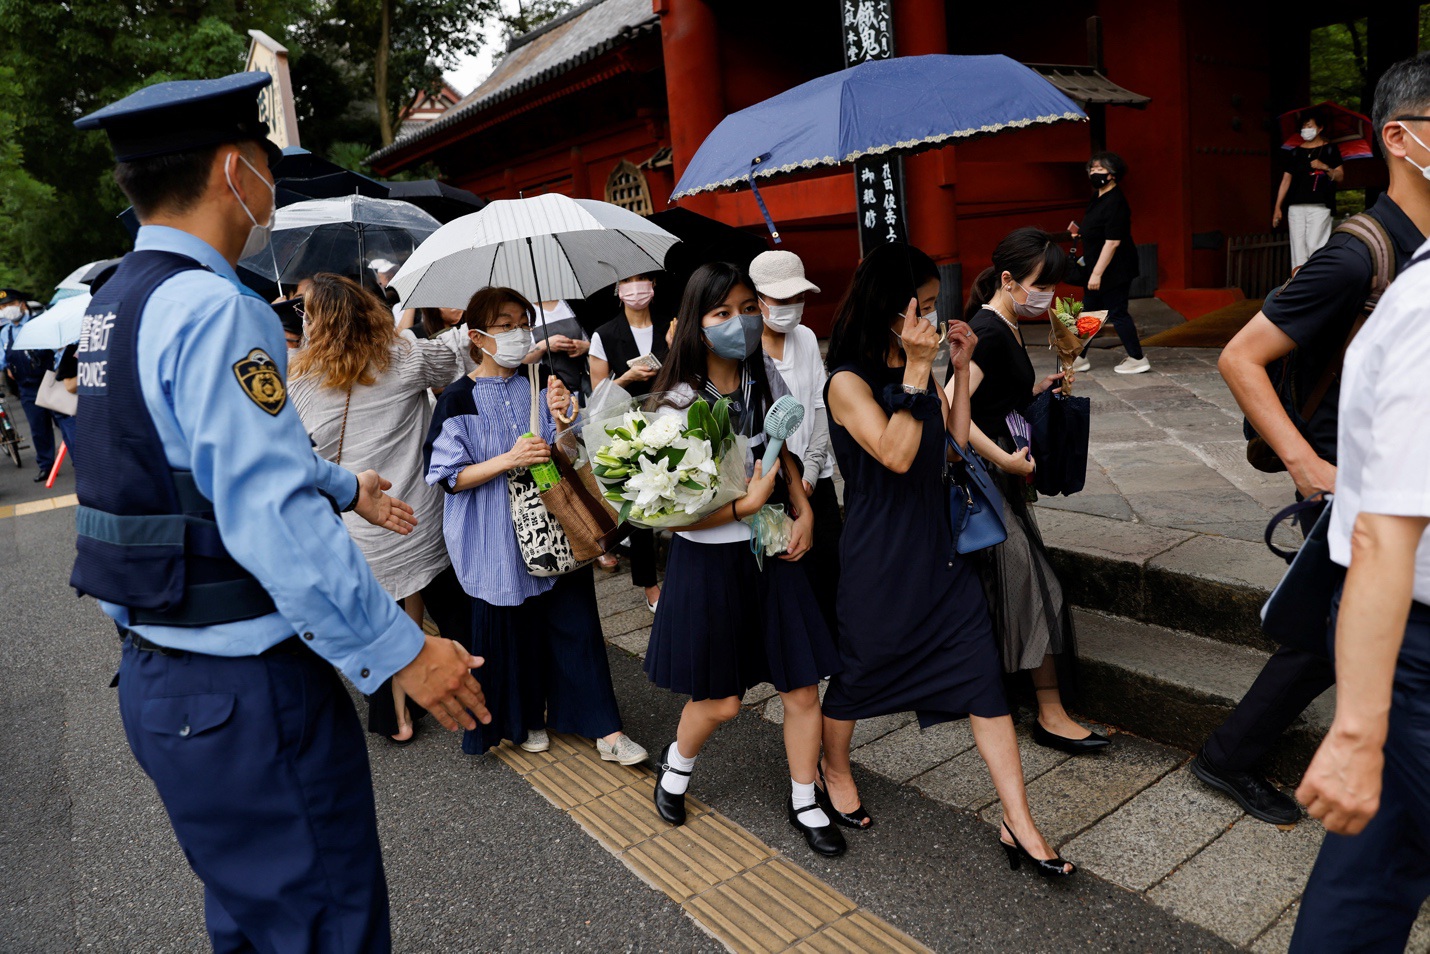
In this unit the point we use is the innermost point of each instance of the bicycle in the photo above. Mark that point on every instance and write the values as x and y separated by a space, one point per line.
9 437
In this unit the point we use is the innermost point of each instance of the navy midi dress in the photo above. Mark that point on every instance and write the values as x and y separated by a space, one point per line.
914 629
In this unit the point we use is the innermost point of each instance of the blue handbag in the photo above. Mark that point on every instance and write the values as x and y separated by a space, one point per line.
975 507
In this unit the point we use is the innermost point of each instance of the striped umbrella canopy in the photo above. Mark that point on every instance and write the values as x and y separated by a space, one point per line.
546 247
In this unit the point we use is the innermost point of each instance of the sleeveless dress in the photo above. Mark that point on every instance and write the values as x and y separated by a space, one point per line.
914 630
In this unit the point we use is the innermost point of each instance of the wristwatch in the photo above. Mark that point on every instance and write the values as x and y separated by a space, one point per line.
910 389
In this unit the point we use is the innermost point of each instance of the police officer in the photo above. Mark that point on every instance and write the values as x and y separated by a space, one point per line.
25 370
208 529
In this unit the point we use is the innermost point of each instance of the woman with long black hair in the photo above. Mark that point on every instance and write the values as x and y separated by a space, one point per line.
1030 613
914 630
724 624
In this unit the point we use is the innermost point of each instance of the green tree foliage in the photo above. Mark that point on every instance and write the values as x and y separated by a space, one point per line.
1338 64
531 14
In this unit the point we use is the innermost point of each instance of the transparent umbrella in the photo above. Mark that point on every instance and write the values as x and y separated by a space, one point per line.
341 235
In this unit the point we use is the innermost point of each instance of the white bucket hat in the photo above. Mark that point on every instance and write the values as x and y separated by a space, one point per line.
780 275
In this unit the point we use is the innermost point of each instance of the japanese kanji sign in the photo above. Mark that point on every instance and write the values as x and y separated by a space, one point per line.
878 181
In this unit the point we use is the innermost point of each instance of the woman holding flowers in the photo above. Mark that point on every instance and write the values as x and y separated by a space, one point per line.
545 658
914 630
1030 612
724 624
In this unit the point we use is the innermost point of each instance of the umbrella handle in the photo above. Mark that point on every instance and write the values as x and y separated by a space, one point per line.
536 392
760 200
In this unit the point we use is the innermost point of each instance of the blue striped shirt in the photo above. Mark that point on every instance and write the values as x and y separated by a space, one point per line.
476 420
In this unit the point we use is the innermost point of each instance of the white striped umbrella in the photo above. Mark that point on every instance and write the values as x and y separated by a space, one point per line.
546 247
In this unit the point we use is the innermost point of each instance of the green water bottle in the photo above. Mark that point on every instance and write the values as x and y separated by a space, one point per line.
546 475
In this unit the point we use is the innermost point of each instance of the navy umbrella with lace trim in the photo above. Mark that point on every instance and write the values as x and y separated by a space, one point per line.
897 106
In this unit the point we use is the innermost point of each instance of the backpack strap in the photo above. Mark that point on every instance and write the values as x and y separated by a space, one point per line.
1369 231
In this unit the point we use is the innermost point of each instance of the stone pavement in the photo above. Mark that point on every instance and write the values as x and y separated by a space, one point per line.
1133 816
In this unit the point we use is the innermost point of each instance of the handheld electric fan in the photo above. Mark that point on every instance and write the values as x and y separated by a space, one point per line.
784 418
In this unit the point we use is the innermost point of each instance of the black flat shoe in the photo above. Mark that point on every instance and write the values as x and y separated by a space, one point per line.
669 807
858 819
1048 868
825 840
1257 797
1092 743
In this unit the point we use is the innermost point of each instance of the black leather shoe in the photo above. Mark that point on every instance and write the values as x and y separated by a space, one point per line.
826 840
42 476
1047 740
858 819
1257 796
669 807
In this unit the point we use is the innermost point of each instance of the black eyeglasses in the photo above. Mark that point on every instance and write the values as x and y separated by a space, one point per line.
1401 119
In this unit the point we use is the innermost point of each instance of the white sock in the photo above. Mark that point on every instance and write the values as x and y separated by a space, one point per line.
803 797
670 781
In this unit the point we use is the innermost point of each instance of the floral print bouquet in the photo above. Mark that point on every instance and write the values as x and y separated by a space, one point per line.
664 468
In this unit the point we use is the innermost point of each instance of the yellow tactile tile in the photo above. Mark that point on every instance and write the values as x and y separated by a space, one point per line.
34 506
696 856
66 500
524 762
576 781
859 933
627 817
770 907
7 511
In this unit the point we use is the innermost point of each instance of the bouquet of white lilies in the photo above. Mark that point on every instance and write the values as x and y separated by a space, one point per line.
664 468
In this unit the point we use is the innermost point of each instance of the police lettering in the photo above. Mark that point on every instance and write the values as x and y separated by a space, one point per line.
94 333
92 374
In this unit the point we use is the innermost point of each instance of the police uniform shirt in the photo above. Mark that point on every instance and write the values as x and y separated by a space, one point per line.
1384 430
1317 307
212 366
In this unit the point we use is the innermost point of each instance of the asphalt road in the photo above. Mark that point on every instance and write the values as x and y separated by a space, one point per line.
476 859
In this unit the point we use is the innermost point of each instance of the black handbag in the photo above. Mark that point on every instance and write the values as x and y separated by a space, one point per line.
1076 270
1298 612
1060 427
975 508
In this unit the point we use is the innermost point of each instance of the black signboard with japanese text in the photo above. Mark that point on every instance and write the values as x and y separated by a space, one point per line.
878 180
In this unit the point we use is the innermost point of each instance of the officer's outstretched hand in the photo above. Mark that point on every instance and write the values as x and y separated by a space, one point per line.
379 509
440 680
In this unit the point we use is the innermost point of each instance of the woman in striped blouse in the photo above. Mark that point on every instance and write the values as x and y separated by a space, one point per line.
541 637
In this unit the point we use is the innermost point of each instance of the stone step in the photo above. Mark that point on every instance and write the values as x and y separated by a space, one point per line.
1206 585
1176 687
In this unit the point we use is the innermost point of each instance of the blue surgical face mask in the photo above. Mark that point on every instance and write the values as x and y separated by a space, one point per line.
735 338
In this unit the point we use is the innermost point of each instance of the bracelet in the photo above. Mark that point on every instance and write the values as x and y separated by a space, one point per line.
924 407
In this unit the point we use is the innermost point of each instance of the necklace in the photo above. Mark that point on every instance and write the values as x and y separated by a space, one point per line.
1012 325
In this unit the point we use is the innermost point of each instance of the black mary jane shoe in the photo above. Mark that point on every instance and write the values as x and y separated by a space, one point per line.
826 840
1047 867
858 819
669 807
1094 741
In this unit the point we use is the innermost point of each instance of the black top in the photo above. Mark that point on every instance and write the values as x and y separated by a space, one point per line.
1317 307
621 348
1311 186
69 363
1008 375
1109 218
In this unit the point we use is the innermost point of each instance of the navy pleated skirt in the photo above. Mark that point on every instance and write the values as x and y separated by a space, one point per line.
724 625
545 666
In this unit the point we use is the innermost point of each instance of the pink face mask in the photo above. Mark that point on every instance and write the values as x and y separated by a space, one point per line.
637 295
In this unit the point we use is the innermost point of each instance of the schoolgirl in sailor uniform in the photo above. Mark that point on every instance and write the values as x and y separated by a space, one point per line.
723 624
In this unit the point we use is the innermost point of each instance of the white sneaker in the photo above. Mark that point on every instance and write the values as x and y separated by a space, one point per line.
625 751
536 741
1133 366
1081 365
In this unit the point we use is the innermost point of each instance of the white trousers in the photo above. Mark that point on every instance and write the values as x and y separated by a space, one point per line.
1310 227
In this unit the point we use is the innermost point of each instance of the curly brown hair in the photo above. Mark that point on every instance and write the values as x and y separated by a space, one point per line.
484 308
349 334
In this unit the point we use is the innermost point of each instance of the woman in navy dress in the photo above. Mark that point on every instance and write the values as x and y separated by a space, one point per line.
914 629
724 624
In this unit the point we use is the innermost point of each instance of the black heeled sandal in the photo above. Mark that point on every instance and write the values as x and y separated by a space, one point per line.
824 839
858 819
669 807
1048 868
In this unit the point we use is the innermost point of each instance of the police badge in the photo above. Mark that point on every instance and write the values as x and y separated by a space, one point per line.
259 378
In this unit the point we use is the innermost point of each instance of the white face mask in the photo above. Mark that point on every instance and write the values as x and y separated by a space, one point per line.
783 318
1037 303
1309 133
259 235
11 313
1424 170
512 346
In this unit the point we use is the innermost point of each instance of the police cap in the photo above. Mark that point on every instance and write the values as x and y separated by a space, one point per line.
185 114
8 296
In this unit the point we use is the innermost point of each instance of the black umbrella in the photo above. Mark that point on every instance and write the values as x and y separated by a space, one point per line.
97 269
334 185
703 239
438 199
299 163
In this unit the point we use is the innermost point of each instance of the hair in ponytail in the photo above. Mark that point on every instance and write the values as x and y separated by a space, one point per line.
1028 254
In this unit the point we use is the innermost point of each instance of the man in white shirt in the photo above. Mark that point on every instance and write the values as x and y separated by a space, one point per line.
1370 780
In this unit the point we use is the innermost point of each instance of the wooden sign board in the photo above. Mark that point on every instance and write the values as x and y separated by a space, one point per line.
275 104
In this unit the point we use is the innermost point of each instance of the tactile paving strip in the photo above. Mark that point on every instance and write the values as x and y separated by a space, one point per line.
737 888
38 506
